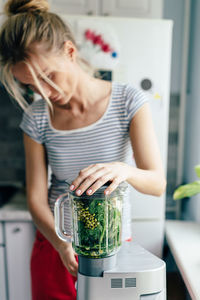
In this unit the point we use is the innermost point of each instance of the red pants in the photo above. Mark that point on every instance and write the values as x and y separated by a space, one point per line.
50 278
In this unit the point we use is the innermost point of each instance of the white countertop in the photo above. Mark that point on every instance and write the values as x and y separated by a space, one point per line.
183 238
15 209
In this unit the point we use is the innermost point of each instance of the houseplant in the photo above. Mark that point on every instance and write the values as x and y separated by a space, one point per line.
189 189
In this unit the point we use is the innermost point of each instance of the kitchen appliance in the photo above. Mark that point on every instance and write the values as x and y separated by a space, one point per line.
107 269
139 53
95 226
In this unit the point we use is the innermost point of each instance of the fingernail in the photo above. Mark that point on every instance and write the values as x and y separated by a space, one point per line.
71 187
78 192
89 191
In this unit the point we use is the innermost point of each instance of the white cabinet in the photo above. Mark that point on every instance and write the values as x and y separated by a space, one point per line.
2 274
133 8
19 241
1 234
1 6
15 251
2 266
121 8
85 7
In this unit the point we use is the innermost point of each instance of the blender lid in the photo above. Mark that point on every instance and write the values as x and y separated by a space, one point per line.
120 189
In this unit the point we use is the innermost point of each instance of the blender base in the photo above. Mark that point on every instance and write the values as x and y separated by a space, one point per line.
96 266
137 275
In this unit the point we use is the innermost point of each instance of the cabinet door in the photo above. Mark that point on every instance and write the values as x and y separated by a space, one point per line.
2 274
133 8
1 235
89 7
1 6
19 240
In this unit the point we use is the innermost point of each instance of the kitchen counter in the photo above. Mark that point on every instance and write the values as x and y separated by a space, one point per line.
16 209
183 238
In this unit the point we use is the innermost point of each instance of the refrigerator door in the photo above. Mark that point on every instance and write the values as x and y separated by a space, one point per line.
144 61
149 234
146 206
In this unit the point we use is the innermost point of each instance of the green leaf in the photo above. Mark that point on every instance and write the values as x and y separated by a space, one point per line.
187 190
104 237
197 169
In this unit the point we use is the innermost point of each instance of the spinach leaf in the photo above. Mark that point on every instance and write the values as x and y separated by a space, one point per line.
97 225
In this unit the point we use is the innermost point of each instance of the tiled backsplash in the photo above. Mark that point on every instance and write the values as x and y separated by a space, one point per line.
11 140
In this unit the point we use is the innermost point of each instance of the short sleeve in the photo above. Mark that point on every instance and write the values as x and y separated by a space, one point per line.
29 125
135 99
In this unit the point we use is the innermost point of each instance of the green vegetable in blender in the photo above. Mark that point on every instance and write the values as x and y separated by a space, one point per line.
98 226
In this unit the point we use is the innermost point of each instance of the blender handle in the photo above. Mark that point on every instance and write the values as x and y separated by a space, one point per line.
59 217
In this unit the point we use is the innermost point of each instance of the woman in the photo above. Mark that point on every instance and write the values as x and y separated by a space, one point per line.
84 128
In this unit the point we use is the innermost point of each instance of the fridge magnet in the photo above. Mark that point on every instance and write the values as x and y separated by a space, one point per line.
98 44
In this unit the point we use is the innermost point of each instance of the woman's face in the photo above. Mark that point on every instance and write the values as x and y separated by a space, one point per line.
61 69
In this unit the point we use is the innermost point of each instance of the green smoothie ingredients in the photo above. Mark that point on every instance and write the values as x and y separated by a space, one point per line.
97 225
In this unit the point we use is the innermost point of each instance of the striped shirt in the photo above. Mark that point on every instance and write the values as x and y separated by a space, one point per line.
106 140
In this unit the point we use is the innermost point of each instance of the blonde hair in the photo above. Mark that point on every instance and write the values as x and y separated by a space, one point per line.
30 22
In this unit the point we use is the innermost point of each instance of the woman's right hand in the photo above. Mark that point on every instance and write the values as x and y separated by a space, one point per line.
68 257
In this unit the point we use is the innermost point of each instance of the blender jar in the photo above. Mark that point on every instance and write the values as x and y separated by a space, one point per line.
96 221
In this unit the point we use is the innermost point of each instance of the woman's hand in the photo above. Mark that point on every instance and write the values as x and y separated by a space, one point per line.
94 176
68 257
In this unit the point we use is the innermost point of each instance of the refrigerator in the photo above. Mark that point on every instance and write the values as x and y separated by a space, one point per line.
141 55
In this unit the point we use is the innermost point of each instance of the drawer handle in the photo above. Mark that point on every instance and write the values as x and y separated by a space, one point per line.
17 229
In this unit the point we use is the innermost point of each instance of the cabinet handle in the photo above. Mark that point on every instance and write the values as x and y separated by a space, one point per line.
17 229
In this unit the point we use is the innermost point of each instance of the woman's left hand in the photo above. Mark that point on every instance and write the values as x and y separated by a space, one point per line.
94 176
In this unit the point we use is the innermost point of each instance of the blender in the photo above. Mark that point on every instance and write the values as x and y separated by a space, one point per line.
107 268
